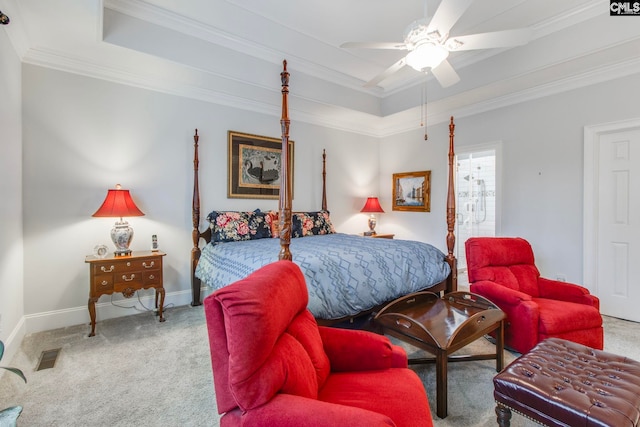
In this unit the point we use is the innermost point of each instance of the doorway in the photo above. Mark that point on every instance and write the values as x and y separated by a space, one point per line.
476 191
611 211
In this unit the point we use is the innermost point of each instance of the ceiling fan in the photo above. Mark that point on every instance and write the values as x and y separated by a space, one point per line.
429 44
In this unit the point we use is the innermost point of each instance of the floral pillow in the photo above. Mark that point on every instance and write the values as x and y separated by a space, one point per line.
230 226
304 224
275 223
311 224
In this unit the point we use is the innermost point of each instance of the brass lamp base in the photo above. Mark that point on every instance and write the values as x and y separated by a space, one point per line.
372 226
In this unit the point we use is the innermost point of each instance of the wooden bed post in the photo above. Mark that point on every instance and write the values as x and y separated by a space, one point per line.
285 185
195 218
324 179
452 280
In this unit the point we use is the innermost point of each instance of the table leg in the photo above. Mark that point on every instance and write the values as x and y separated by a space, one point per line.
92 315
441 383
500 347
160 291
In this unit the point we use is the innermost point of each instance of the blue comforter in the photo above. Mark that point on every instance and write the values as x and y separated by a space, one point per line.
345 274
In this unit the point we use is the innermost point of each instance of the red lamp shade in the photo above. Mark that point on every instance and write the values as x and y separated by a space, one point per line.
119 203
372 206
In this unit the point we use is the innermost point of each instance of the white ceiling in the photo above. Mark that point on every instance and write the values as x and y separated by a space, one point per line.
231 52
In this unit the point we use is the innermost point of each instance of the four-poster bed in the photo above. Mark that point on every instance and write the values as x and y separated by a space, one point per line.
335 295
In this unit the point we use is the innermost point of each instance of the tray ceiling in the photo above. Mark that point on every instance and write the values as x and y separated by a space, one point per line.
231 51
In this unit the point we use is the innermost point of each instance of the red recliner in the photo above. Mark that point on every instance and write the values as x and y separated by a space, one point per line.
502 270
274 366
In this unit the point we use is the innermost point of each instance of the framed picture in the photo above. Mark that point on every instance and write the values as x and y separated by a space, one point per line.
255 166
412 191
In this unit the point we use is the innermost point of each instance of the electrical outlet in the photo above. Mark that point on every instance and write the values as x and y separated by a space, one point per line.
561 277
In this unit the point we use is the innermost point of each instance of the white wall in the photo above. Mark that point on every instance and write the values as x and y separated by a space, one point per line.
409 152
542 183
82 136
11 244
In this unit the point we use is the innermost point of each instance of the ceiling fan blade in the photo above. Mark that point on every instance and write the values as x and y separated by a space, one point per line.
494 39
386 73
445 74
447 15
374 45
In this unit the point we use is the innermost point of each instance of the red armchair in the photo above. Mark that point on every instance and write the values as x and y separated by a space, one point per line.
502 270
274 366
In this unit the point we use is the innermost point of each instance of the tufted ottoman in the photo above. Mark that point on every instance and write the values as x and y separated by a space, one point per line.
561 383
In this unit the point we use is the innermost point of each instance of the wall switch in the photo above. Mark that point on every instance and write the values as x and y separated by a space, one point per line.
561 277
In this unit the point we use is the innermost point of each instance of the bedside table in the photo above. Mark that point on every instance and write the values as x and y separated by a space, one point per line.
380 236
126 275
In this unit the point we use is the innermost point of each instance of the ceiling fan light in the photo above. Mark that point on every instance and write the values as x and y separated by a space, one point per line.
426 56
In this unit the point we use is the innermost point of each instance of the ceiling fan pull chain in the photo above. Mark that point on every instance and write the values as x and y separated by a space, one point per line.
424 96
422 107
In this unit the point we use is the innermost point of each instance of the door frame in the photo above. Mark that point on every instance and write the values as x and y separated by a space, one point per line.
591 183
496 146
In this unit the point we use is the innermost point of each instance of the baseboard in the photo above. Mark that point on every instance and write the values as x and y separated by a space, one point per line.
104 310
12 343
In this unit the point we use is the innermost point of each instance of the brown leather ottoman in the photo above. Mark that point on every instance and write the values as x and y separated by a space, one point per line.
561 383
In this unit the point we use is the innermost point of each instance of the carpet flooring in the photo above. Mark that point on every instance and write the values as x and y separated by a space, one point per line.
139 372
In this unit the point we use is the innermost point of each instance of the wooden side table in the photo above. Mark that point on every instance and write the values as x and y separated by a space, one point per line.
443 326
126 275
381 236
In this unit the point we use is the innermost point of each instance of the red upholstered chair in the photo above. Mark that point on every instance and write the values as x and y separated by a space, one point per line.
502 270
274 366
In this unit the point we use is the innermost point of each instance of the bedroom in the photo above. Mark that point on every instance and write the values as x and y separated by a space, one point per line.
67 136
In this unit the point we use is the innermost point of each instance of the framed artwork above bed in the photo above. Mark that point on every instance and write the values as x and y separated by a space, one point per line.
254 166
412 191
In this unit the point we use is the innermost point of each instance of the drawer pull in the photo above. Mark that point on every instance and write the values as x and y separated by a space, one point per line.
151 277
128 263
144 264
133 276
404 323
104 270
104 283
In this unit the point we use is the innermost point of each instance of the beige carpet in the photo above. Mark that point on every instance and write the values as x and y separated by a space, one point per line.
138 372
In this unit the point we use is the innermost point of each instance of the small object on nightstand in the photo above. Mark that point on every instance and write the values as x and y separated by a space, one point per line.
100 251
154 243
126 275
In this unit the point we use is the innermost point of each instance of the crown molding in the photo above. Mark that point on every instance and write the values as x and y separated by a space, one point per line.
336 117
164 18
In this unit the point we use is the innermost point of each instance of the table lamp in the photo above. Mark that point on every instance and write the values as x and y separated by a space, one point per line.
372 206
119 203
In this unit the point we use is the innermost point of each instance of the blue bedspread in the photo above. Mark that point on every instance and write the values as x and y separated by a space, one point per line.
345 274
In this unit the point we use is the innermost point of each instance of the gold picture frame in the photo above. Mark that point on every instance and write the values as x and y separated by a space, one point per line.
412 191
254 166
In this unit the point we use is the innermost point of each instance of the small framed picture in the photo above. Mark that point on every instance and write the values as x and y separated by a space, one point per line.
100 251
412 191
255 166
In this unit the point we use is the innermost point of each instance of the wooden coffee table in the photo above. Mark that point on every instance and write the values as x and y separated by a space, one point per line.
442 326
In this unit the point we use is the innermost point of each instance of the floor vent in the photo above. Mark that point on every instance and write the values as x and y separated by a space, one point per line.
48 359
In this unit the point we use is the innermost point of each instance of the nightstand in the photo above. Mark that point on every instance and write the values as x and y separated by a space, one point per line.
381 236
126 275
